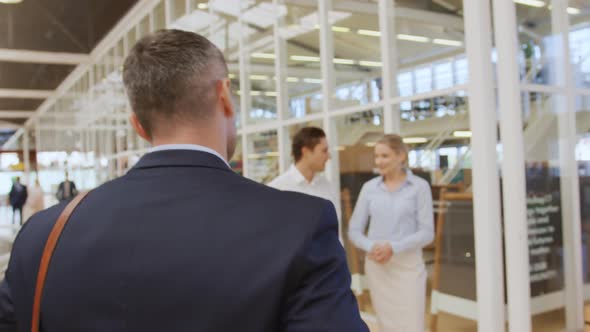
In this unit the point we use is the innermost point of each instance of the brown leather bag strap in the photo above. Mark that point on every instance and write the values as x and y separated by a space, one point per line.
47 253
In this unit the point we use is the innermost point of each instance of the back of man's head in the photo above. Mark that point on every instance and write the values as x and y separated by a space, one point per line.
170 77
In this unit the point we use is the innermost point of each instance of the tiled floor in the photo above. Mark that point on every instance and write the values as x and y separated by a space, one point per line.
549 322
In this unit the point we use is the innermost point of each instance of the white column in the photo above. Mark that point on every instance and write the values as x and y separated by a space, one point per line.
391 116
327 68
85 150
119 146
212 27
486 189
37 143
326 54
152 23
168 12
327 65
245 143
26 156
245 97
565 104
513 168
280 50
95 146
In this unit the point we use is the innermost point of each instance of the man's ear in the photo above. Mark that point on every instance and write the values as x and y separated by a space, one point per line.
224 93
305 151
138 127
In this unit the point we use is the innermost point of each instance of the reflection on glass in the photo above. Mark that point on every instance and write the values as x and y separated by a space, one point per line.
178 8
263 156
538 42
144 27
131 39
357 57
583 161
300 30
238 158
579 45
543 190
435 107
159 16
120 53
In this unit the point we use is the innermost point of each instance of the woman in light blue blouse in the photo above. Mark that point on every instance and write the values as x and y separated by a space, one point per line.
398 207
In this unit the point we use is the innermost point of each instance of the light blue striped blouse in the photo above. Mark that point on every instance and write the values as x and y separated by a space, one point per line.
403 217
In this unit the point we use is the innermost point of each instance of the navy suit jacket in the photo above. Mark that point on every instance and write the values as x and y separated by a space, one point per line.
181 243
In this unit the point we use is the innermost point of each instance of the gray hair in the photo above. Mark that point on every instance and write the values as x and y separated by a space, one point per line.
172 75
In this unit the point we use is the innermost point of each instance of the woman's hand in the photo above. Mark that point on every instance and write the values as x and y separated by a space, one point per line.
381 252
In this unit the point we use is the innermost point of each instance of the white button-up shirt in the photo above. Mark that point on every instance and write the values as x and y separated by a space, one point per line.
403 217
293 180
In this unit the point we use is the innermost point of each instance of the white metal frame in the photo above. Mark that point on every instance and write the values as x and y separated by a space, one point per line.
57 58
569 180
486 191
513 169
25 93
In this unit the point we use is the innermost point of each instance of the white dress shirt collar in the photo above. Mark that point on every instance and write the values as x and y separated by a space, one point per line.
299 178
194 147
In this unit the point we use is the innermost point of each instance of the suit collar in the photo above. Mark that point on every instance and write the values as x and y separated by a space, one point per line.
179 158
193 147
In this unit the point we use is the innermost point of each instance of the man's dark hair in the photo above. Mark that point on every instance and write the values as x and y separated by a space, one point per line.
307 137
171 75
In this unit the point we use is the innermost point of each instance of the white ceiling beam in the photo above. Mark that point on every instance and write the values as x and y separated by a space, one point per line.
26 93
9 125
425 16
301 71
6 114
82 127
55 58
80 116
431 56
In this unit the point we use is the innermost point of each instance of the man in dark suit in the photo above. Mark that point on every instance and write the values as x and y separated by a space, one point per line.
18 197
181 243
66 189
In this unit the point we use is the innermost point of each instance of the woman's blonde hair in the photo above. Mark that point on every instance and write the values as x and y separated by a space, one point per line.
396 143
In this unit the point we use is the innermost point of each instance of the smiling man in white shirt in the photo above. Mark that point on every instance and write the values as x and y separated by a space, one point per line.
311 153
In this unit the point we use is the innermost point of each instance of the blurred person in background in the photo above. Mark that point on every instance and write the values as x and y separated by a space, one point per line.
17 198
66 190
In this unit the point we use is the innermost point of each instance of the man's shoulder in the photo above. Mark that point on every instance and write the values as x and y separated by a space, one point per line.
284 203
276 190
282 181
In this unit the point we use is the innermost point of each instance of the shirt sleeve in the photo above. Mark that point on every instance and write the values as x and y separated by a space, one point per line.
358 222
425 220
